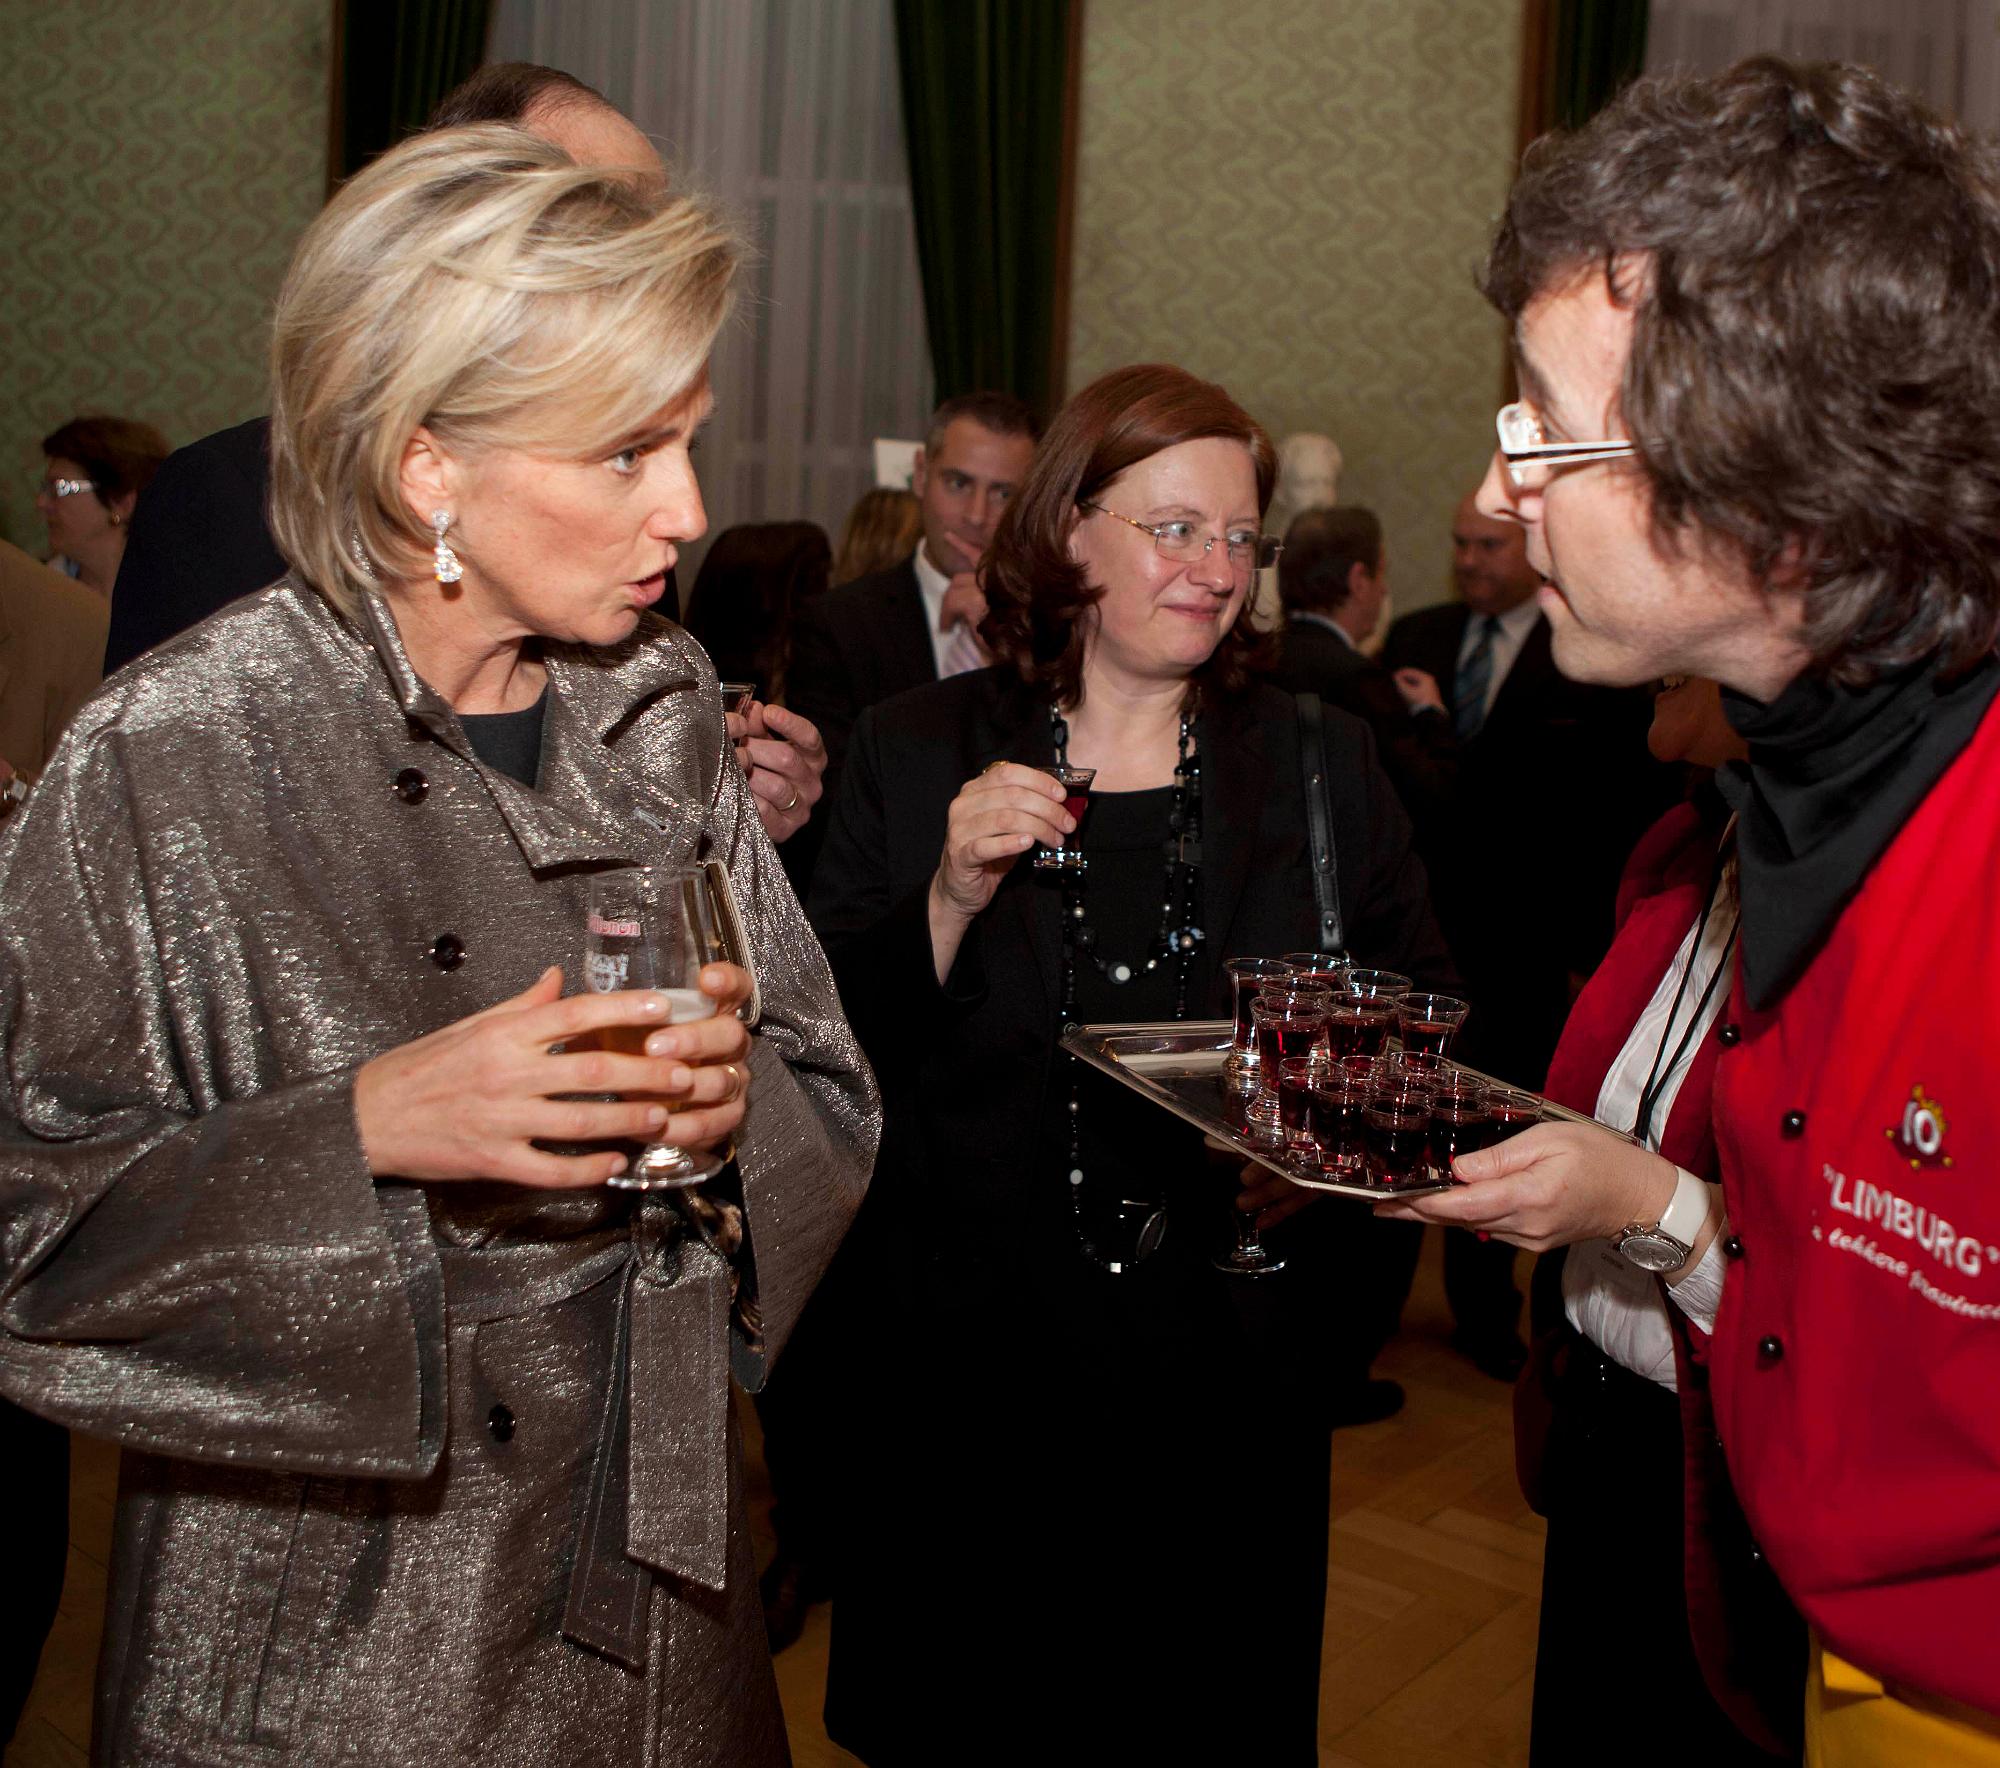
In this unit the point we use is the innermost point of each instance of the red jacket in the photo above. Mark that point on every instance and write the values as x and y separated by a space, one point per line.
1856 1359
1745 1635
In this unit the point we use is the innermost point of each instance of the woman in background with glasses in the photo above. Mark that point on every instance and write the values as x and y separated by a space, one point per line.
97 466
1090 1524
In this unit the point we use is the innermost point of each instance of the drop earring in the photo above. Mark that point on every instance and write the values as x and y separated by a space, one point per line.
445 561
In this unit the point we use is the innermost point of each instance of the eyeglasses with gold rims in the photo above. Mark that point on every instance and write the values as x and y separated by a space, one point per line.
1524 448
1245 548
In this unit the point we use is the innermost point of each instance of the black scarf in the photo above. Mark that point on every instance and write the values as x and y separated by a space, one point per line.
1833 774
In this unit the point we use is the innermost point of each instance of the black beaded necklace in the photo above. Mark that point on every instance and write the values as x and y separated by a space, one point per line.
1141 1221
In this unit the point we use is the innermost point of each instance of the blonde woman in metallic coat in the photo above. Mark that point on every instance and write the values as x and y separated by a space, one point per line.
429 1451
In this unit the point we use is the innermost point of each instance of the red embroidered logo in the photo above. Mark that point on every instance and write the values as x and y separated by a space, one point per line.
1919 1138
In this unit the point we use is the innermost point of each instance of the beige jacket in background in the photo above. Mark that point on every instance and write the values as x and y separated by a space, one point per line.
51 656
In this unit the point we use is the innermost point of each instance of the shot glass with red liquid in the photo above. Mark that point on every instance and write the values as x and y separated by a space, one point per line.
1246 977
1287 1020
1297 1076
1359 1023
1075 782
1461 1119
1340 1093
1323 969
1511 1112
1396 1123
1429 1024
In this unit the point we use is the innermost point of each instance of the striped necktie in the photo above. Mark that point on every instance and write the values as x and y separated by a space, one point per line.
1468 703
961 651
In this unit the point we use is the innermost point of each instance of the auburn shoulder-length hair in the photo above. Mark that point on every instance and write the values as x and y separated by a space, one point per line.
1036 594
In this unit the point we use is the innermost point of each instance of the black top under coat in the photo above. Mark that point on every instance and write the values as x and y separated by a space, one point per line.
1834 772
509 742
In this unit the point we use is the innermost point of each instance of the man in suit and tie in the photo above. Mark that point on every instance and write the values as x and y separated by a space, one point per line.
1333 581
867 641
1554 787
918 621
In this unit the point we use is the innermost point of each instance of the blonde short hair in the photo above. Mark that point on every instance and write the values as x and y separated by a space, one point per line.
480 283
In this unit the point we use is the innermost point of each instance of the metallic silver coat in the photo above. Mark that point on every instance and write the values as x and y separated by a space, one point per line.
415 1475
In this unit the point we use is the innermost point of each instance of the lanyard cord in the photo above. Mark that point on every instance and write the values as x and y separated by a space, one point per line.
1656 1076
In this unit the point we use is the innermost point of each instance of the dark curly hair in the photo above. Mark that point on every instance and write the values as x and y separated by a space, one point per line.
1036 594
1814 375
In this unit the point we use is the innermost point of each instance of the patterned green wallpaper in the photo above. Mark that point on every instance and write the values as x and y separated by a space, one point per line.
161 158
1291 197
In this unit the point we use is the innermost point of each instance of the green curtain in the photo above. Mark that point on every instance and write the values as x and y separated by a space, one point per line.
985 95
397 59
1595 48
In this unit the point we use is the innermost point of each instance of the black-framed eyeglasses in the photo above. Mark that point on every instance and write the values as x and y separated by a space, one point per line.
1181 541
1524 448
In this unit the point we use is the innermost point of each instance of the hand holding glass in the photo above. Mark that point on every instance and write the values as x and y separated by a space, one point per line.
651 928
1075 782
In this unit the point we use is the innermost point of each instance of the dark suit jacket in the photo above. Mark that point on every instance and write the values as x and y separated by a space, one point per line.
198 540
1419 752
1553 791
852 648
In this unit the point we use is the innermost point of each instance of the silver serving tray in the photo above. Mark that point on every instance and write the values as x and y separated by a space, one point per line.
1178 1065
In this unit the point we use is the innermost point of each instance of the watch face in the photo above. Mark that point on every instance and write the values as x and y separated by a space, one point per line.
1654 1252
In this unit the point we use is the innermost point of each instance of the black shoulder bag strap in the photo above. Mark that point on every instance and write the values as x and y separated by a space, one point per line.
1319 820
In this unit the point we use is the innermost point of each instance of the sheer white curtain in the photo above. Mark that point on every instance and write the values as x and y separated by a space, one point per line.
787 111
1948 50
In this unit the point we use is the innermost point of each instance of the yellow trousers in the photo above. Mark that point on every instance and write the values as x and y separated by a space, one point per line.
1852 1721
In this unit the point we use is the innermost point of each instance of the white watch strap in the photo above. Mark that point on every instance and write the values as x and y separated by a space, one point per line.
1689 1209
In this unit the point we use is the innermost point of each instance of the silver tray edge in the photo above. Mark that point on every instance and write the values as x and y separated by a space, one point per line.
1204 1047
1201 1046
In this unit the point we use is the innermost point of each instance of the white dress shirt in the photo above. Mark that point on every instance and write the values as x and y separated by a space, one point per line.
1613 1303
932 584
1510 636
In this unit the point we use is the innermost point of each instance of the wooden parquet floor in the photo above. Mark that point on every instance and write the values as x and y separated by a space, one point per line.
1432 1588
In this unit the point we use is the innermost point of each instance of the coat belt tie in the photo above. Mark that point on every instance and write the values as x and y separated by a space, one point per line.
659 1480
